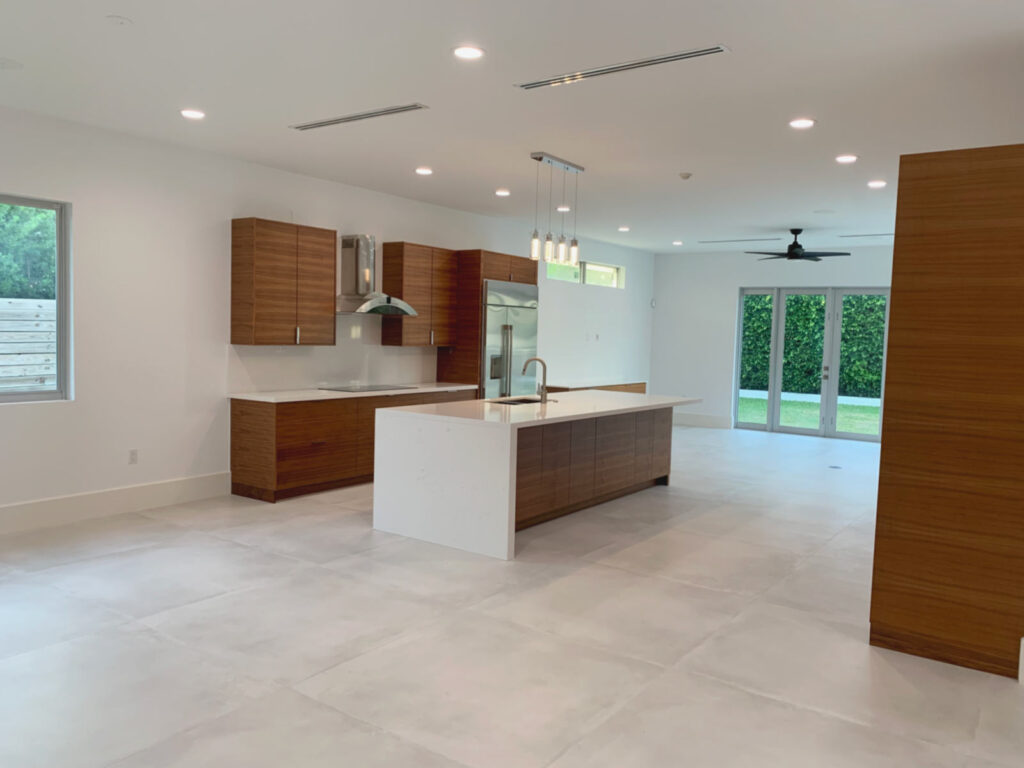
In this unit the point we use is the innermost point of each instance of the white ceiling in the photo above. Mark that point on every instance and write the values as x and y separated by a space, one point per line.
882 77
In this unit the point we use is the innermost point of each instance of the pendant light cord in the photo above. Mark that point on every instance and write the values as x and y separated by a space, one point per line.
564 174
575 202
536 197
551 182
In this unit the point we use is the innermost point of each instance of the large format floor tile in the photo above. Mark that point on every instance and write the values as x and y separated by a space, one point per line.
34 614
86 702
143 581
688 720
647 618
705 561
483 692
46 547
295 627
717 621
284 730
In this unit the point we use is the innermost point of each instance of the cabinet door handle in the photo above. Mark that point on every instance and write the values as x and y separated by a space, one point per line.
431 335
298 335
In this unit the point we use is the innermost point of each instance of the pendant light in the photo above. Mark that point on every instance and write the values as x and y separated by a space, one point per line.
574 246
564 251
563 247
535 238
549 243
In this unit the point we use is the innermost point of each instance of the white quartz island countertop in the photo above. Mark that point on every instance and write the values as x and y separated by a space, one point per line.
561 406
447 473
301 395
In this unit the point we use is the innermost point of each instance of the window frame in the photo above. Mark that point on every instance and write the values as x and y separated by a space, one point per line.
62 303
620 274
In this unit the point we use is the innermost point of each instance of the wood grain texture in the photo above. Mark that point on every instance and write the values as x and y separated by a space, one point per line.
243 296
461 363
316 262
253 431
581 461
522 270
495 266
406 272
443 295
274 282
661 449
565 467
615 445
316 442
949 552
638 387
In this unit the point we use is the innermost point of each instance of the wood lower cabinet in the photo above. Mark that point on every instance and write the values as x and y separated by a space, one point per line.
280 450
564 467
282 283
639 387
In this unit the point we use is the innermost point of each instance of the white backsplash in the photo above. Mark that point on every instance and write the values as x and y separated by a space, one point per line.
357 357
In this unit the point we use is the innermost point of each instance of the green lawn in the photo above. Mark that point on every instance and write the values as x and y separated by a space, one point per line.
859 419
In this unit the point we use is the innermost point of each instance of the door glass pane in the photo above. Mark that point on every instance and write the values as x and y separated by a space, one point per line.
803 348
861 354
755 359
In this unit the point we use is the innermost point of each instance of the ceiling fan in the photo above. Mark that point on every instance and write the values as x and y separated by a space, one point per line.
796 252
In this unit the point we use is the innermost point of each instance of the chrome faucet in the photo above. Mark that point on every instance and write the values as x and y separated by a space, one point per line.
542 390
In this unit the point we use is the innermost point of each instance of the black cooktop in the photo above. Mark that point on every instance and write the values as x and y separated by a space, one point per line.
367 387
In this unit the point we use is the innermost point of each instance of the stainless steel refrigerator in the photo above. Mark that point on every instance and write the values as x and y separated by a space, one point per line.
510 338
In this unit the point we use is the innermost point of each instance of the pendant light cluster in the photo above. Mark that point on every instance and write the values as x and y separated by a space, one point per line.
561 251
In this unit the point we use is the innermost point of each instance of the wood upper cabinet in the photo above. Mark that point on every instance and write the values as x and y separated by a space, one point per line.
426 278
502 266
316 261
282 283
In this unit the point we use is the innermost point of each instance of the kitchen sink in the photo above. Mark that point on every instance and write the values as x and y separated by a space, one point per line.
519 401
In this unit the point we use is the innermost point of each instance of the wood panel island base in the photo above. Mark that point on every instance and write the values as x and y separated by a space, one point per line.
470 474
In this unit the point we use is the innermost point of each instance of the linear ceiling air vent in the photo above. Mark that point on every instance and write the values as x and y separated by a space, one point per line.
358 116
745 240
575 77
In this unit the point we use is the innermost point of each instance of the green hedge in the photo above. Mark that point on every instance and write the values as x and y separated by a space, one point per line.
861 352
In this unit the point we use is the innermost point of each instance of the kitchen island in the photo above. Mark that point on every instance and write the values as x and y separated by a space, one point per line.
469 474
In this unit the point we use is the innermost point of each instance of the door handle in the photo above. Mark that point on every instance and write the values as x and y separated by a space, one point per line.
431 335
506 356
298 335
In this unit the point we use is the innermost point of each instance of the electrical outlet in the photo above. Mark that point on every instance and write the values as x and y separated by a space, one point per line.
133 456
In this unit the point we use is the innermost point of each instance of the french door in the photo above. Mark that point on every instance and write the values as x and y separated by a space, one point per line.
812 361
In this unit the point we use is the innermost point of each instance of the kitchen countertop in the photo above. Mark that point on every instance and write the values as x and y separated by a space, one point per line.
561 406
568 383
300 395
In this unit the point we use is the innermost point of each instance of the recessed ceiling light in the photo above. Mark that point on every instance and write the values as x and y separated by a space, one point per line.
623 229
685 175
424 170
502 192
677 242
877 184
846 159
193 114
468 52
118 21
801 123
563 209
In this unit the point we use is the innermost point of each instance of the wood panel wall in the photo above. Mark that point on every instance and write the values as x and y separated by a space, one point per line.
949 550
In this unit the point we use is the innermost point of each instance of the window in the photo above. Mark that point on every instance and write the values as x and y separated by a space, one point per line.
566 272
606 275
34 304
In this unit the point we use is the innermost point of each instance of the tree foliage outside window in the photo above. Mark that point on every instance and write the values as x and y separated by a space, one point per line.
861 352
28 252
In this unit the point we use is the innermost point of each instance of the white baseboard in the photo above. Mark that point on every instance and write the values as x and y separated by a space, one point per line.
57 510
684 419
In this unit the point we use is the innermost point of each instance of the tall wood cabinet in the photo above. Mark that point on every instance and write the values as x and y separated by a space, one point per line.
282 283
425 277
949 549
461 363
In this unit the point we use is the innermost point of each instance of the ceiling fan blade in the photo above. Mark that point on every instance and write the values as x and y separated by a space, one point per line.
767 253
825 253
805 257
779 256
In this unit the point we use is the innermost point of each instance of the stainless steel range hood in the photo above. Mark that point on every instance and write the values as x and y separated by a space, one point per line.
355 287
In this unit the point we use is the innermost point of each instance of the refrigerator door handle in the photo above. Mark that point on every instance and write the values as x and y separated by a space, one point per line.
506 355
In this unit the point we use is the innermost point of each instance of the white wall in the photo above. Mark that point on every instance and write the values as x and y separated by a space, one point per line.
697 310
151 262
